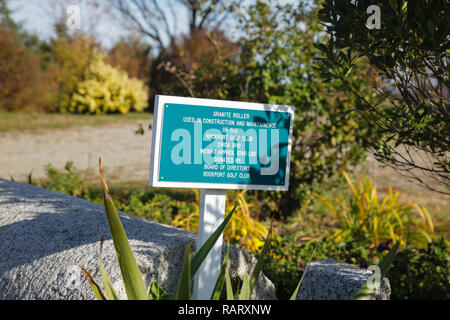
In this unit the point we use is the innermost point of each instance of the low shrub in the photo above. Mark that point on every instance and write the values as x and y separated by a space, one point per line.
135 286
155 206
67 182
362 227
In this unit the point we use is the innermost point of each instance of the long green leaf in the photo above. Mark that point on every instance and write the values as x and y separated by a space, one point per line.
183 291
95 287
109 289
260 263
207 246
294 294
245 289
230 293
132 277
366 293
387 260
155 292
221 279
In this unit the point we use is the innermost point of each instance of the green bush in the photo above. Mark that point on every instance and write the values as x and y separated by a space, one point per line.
135 286
66 182
419 273
155 206
415 274
179 208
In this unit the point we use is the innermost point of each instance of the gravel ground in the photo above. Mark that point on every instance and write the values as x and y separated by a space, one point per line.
125 155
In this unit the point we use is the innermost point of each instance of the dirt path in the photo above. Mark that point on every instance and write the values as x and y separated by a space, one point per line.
125 155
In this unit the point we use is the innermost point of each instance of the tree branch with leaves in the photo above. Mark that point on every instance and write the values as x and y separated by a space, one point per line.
411 53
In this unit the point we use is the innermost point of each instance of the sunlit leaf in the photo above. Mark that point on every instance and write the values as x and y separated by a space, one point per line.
132 277
183 291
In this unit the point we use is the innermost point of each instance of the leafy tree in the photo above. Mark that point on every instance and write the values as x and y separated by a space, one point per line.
24 82
178 48
411 104
6 20
275 63
18 72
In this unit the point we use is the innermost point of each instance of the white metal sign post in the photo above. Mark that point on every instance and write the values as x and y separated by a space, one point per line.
215 145
212 213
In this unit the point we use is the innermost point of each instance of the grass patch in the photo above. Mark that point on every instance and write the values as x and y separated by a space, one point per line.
32 121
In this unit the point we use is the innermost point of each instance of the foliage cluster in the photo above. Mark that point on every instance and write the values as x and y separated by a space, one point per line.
67 182
410 52
419 271
132 277
243 230
422 273
131 55
24 84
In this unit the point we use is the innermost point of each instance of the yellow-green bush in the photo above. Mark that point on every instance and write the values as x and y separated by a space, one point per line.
106 89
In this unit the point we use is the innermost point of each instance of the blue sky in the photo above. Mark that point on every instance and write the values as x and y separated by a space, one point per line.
39 16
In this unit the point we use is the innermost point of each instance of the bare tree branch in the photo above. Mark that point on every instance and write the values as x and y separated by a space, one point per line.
151 17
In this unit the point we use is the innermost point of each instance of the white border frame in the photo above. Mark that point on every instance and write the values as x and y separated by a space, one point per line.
160 100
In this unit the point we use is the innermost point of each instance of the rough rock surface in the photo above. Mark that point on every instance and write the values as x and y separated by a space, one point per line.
44 233
331 280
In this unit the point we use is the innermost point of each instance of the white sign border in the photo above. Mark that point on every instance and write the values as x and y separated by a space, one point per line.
155 163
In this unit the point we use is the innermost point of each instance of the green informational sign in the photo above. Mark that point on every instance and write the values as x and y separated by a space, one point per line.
216 144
